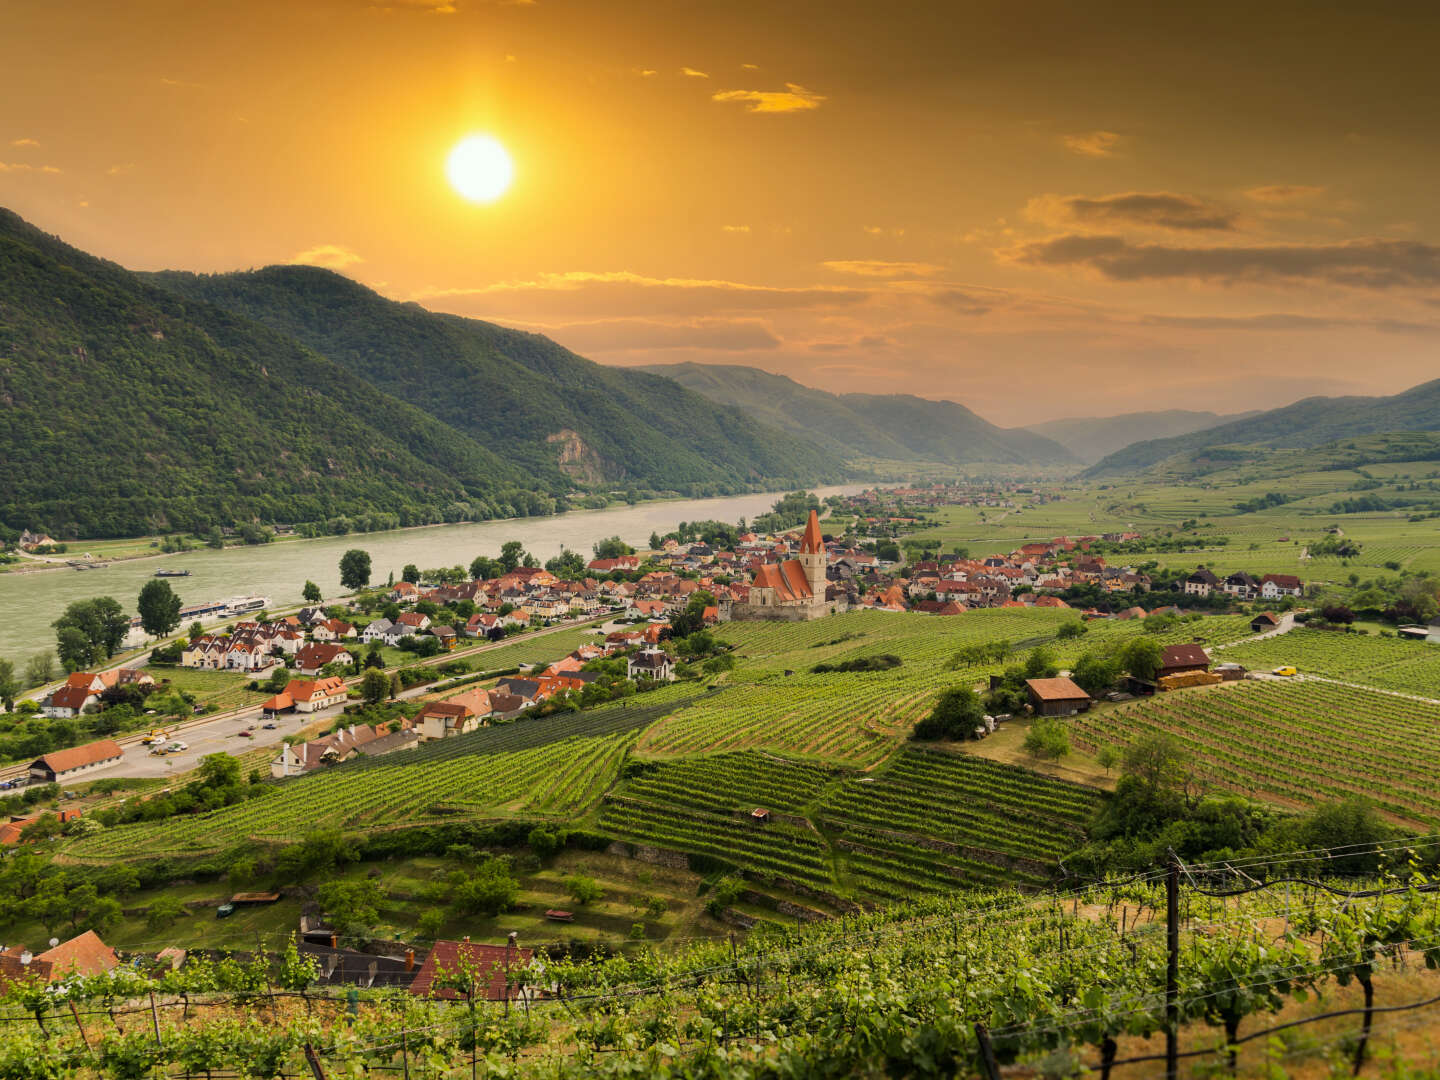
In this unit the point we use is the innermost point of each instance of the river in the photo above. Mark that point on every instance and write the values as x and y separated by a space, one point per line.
30 602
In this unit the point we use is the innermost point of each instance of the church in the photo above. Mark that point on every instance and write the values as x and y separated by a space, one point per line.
793 590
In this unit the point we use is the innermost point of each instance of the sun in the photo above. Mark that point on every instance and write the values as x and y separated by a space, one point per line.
479 168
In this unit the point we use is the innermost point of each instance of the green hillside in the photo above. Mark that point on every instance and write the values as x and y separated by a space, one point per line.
893 427
1091 438
129 410
1311 422
520 392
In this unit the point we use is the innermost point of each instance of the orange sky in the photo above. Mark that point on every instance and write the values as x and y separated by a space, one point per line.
1037 209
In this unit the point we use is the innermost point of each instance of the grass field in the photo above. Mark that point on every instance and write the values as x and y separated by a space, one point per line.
1294 743
1390 663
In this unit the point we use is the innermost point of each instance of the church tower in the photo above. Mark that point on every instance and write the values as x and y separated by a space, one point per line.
812 559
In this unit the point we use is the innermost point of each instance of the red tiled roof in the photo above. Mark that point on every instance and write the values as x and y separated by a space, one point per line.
62 761
1059 689
489 964
83 955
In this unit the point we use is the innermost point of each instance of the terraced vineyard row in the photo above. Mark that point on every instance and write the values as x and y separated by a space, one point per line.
857 719
560 777
929 822
1295 743
1390 663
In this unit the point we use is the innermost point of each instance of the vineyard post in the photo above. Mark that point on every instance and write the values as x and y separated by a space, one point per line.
314 1060
987 1052
1172 970
78 1025
155 1017
404 1049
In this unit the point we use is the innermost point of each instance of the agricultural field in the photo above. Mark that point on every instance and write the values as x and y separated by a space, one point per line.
551 767
929 822
220 690
1294 743
1390 663
774 701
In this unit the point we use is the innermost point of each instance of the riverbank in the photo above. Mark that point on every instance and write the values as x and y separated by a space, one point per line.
279 570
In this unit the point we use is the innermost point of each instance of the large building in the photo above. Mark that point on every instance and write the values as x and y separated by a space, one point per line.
790 590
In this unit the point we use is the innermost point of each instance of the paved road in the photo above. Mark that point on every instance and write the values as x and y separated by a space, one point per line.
1287 623
221 731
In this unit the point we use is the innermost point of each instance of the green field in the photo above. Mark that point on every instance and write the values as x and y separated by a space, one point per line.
1293 743
1389 663
928 822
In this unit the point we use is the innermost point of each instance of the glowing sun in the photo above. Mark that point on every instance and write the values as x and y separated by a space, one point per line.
479 168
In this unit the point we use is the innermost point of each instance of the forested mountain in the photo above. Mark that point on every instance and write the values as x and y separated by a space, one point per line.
126 409
1091 438
519 393
895 427
1311 422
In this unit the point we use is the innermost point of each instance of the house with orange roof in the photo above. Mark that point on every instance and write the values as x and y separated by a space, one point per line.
82 955
308 695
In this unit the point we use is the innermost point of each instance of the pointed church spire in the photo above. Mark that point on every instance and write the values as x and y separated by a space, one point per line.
813 543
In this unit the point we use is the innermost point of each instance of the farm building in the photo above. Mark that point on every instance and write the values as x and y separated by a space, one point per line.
83 955
1056 697
65 764
1263 622
491 966
1175 659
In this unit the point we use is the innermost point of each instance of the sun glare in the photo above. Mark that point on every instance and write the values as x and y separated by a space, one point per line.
479 168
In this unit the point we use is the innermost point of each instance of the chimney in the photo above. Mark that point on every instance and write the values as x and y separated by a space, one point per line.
409 959
334 941
510 948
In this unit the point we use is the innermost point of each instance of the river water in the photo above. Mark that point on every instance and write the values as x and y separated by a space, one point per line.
30 602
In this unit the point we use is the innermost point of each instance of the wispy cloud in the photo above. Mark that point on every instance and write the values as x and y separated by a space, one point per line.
881 268
750 67
330 256
1284 193
1287 321
1151 209
735 228
645 73
631 335
1365 263
794 98
894 232
1093 143
23 167
694 73
120 170
24 144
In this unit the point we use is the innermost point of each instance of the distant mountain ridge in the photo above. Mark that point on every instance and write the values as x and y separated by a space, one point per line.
1313 421
1091 438
893 427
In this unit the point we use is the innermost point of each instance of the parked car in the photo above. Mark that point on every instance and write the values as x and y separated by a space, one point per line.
269 725
1286 670
247 734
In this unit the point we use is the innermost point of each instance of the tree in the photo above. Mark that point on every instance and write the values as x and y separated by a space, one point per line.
311 593
9 685
1047 739
1141 657
491 890
355 569
159 608
162 912
1071 630
957 713
353 904
1107 757
395 685
74 648
410 573
40 669
219 770
430 923
1094 673
102 622
375 686
511 554
612 547
196 630
482 567
582 889
568 565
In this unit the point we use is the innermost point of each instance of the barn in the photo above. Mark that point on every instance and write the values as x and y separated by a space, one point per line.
1056 697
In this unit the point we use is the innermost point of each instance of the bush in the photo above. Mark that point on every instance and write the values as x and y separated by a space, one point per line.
957 714
582 889
1047 739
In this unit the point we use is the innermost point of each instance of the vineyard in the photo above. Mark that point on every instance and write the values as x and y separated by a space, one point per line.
551 766
1059 985
929 822
775 702
1389 663
1294 743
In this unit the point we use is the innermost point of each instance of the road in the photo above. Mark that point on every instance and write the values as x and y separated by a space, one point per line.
221 731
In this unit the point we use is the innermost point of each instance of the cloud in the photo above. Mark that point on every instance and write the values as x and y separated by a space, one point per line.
735 228
750 67
881 268
794 98
24 144
1286 321
23 167
645 73
1364 263
880 230
614 335
1284 193
167 81
962 302
330 256
119 170
1092 143
612 293
693 73
1153 209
